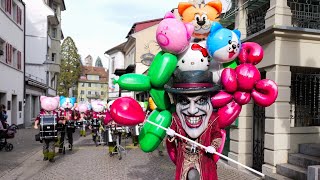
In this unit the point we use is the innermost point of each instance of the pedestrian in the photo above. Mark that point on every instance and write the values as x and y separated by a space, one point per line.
49 106
67 113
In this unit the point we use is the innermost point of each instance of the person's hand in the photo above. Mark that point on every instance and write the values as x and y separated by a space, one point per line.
35 126
170 132
210 149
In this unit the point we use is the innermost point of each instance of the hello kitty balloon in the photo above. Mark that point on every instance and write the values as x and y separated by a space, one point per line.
194 58
49 103
98 105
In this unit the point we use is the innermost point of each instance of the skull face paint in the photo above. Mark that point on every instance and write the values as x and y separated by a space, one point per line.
194 112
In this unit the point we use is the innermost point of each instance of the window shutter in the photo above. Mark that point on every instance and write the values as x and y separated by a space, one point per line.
7 53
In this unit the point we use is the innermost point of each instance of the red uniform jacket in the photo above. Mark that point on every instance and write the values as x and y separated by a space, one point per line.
208 168
65 112
42 111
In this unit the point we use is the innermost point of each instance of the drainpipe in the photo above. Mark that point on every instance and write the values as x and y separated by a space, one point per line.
24 61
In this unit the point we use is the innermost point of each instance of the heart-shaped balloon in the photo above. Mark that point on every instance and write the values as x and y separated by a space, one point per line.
228 114
127 112
221 99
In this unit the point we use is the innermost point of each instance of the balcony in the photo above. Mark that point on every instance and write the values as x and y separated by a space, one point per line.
53 19
305 14
256 17
35 81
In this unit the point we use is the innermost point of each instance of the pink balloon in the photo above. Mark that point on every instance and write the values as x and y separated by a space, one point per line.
242 98
247 76
229 80
220 149
228 114
221 99
173 35
107 118
265 92
127 112
251 53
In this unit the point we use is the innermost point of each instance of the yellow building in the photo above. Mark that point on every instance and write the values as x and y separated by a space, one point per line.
93 84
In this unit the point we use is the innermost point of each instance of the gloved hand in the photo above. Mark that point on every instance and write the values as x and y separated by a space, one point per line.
210 149
170 132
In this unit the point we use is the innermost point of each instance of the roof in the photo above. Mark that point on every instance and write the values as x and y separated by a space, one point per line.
139 26
91 70
118 47
63 6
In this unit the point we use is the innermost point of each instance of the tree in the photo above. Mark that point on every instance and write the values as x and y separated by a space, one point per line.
98 62
70 67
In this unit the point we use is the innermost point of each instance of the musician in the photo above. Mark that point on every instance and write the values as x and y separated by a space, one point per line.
68 115
194 119
48 107
98 108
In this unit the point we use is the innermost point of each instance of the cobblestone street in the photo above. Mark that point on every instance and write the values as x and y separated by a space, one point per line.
87 161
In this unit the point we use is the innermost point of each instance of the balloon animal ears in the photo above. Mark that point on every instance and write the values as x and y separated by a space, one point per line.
169 15
217 26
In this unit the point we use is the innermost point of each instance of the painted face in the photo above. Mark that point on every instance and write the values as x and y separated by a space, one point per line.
194 113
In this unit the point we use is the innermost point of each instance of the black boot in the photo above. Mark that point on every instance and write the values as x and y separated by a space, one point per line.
45 159
52 160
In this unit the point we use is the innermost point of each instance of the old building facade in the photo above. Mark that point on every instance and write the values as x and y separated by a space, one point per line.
12 58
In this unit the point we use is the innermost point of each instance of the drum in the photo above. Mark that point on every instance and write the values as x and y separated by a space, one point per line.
70 124
95 123
110 137
48 124
136 130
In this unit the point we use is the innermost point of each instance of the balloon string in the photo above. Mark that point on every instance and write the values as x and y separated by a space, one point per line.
202 146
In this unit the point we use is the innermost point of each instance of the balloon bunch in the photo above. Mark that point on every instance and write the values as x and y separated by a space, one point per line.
218 50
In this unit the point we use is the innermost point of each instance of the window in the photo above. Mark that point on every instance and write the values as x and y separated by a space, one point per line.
92 77
9 50
81 99
53 57
8 6
82 84
96 93
89 84
15 58
17 13
3 4
9 106
102 86
102 93
89 92
2 47
112 65
55 7
82 92
20 105
14 8
54 33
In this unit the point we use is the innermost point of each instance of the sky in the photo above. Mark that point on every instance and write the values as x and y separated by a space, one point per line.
98 25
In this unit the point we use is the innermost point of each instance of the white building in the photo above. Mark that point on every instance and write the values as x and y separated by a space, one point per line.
12 25
43 41
116 62
88 61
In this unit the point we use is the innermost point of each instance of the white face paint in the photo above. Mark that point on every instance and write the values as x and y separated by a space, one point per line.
194 113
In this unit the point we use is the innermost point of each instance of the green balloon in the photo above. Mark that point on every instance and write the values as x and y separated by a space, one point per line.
162 69
233 64
151 136
160 98
134 82
153 68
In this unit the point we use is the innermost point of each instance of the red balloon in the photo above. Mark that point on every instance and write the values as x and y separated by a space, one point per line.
108 118
229 80
228 114
265 92
220 149
127 112
251 53
247 76
221 99
242 98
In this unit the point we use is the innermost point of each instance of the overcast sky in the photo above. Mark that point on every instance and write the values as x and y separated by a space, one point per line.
98 25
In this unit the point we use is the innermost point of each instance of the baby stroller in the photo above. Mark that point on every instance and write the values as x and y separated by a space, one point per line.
7 134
